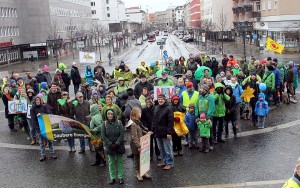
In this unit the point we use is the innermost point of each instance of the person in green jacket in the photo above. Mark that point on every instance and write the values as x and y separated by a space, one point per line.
110 105
112 133
165 81
205 103
204 126
269 80
95 127
121 86
219 114
294 182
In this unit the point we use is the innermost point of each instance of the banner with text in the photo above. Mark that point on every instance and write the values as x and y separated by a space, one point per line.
17 107
87 57
145 154
169 91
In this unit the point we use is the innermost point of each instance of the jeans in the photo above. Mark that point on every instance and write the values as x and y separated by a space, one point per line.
205 143
116 161
71 143
76 88
217 121
193 137
33 132
42 146
233 122
254 116
261 121
176 142
165 145
153 141
82 143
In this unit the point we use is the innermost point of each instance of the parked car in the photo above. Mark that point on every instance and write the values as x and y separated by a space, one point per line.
180 36
188 39
161 42
139 41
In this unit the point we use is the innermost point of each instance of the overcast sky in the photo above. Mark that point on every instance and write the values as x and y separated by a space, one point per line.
154 5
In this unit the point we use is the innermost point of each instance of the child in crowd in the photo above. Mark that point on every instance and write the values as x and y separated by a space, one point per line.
190 121
261 110
204 127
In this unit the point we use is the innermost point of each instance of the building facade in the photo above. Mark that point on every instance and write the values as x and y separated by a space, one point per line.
186 15
195 13
179 17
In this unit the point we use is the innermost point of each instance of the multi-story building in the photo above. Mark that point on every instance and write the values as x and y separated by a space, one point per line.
161 19
179 16
279 19
152 18
186 15
136 19
195 13
25 29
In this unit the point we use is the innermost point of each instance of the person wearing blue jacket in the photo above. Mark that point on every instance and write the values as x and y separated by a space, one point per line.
180 87
190 121
237 92
89 75
261 110
277 73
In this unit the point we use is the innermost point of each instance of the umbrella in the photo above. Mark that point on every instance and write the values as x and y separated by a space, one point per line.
200 72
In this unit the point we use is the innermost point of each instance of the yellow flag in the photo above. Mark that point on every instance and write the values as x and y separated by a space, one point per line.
274 46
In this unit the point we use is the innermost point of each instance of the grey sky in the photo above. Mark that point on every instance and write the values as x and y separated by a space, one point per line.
153 5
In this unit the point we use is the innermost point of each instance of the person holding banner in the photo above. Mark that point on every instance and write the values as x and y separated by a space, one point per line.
7 96
113 135
137 130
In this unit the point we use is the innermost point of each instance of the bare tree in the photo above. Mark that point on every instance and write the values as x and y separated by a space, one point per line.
221 24
293 32
53 32
71 29
99 32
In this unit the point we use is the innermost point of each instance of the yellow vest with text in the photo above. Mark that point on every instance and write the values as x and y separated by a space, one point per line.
187 100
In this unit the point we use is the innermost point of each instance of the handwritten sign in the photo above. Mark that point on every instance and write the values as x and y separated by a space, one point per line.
145 154
87 57
17 107
169 91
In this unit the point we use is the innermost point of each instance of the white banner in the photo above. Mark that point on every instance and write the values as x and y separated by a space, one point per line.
17 107
87 57
145 154
168 91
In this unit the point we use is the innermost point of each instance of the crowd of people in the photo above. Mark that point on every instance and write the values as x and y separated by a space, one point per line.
210 101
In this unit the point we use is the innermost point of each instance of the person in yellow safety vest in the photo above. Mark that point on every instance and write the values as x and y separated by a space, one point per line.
294 182
189 96
114 71
144 69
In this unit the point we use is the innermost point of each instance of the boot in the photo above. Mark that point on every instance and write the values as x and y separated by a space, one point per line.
33 141
43 158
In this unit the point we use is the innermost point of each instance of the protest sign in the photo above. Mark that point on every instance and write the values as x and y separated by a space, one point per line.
17 107
145 154
87 57
28 111
169 91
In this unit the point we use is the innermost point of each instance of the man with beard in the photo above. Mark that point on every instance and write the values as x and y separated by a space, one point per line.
139 86
165 81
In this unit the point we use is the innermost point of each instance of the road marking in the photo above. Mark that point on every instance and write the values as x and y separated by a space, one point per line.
2 111
245 184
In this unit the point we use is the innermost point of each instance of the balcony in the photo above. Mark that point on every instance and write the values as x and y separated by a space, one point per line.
238 10
248 8
256 15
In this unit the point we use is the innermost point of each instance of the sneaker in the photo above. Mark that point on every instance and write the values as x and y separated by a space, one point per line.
92 149
81 151
33 142
211 148
215 142
95 164
160 165
131 156
167 167
190 146
221 140
147 176
43 158
102 164
112 181
121 181
186 145
53 157
158 157
175 153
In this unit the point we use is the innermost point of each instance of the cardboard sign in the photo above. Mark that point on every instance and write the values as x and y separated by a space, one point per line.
145 154
28 111
87 57
17 107
169 91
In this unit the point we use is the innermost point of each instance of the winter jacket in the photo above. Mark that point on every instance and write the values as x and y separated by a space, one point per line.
231 62
81 111
224 63
40 78
34 111
96 68
296 78
75 76
113 133
64 108
139 88
237 92
57 79
52 101
87 93
208 64
293 182
290 76
163 121
147 116
204 128
96 121
261 106
251 66
5 100
220 99
48 78
104 93
231 106
167 82
179 89
142 100
190 121
277 77
192 66
214 67
120 88
252 84
66 78
137 130
269 80
205 104
131 103
260 71
89 75
244 67
178 68
116 109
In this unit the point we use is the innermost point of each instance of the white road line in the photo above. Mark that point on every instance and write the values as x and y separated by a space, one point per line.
245 184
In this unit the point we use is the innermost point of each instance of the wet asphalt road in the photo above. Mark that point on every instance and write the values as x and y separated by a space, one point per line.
261 157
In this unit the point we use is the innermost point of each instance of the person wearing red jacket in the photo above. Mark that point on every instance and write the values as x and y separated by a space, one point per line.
231 61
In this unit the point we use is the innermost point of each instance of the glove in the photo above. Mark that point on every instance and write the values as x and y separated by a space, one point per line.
176 119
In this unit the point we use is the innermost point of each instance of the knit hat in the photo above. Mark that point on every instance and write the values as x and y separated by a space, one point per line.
275 60
269 59
203 115
162 96
189 85
120 79
46 68
64 93
142 76
175 97
74 63
79 94
12 81
30 91
191 105
151 92
218 76
109 111
252 73
94 92
148 98
204 87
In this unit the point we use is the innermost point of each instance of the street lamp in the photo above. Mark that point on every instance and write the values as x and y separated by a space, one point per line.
244 28
55 44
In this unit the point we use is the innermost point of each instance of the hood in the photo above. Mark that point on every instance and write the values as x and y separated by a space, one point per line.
86 67
175 97
38 96
44 85
261 95
73 67
229 88
115 115
280 65
94 109
219 85
103 86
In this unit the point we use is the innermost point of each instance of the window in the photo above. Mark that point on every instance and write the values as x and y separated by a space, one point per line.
269 5
107 8
264 5
93 4
108 15
258 6
107 1
2 12
93 11
1 32
275 4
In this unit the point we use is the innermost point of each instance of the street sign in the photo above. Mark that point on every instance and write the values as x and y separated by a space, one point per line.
254 36
79 44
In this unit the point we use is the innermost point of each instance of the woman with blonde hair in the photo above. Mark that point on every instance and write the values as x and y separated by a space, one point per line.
137 131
